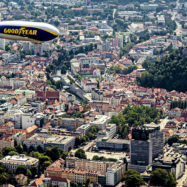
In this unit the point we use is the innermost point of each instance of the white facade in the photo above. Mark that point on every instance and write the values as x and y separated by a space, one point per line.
12 162
2 43
23 121
180 168
84 129
111 130
13 83
89 84
111 177
100 121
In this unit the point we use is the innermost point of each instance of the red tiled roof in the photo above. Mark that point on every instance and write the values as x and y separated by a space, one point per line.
59 179
38 181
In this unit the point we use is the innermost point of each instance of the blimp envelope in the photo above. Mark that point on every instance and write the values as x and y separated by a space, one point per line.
31 31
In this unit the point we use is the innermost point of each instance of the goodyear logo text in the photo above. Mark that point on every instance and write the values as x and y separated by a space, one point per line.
20 32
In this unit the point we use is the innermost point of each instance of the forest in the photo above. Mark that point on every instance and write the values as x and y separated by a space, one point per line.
170 72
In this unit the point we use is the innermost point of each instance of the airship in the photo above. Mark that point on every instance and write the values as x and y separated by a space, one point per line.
30 31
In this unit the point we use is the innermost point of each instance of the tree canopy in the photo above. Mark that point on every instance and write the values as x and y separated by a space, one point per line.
133 178
170 72
161 177
80 153
135 116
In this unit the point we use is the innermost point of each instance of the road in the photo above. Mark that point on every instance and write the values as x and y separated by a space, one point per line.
179 26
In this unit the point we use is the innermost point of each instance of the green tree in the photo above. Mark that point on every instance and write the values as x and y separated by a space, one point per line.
34 171
171 182
161 177
73 184
55 153
173 139
5 175
40 149
21 170
11 153
45 165
169 72
80 153
6 150
19 149
133 179
31 148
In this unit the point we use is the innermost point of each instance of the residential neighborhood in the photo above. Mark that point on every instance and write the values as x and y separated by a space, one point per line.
103 104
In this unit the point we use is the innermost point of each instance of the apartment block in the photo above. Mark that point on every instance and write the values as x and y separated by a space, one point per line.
12 162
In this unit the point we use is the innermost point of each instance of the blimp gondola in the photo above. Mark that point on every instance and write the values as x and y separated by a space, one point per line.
30 31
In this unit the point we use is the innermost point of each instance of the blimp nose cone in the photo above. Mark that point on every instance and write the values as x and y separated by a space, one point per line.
58 32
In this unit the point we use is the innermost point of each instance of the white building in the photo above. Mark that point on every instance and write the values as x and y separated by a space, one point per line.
100 121
12 162
64 2
84 129
44 140
88 84
23 120
111 130
2 43
148 6
111 177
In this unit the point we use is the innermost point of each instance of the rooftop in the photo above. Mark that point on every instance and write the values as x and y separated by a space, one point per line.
45 138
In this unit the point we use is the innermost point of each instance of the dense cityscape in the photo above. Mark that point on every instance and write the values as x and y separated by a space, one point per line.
103 104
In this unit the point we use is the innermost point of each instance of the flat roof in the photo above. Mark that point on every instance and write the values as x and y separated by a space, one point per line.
46 138
119 141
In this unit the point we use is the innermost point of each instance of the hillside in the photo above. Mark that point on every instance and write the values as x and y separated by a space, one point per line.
170 72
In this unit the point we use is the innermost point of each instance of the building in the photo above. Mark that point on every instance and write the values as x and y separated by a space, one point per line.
58 170
141 152
88 165
84 129
108 133
12 162
81 170
56 181
88 84
2 43
49 95
100 121
44 140
6 141
113 144
171 161
64 2
111 177
50 182
114 174
146 144
71 124
12 83
23 120
149 7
